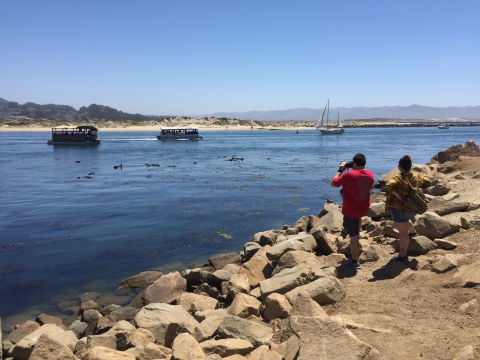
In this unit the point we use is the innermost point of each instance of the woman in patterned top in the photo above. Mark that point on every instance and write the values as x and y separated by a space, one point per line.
397 189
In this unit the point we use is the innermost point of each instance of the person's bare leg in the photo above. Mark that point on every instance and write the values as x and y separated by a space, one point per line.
411 228
403 235
355 246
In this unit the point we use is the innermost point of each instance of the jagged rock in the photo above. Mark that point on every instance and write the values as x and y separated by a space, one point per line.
47 348
91 318
237 284
302 223
325 246
250 249
164 320
244 306
471 307
103 353
194 302
276 306
78 327
336 340
141 280
443 205
373 253
468 221
445 244
142 337
312 221
121 300
331 222
24 347
417 245
331 260
106 310
437 190
390 231
121 326
265 237
21 331
289 349
124 313
208 290
286 280
43 319
377 210
209 327
468 352
303 305
297 257
434 226
220 261
258 268
292 231
328 207
469 275
103 325
326 290
443 264
185 347
89 296
167 289
195 276
302 241
454 152
202 315
385 177
150 351
89 305
108 341
227 347
235 327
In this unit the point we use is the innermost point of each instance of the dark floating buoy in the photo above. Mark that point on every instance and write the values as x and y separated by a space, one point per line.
77 162
118 166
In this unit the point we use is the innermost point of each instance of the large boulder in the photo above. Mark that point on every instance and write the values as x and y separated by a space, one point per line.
454 152
377 210
249 249
302 224
266 237
331 222
103 353
220 261
258 268
326 290
164 321
149 351
245 306
167 289
47 348
325 245
417 245
22 330
328 336
24 347
237 328
140 280
286 280
227 347
185 347
297 257
195 276
237 284
434 226
446 204
194 302
301 241
303 305
276 306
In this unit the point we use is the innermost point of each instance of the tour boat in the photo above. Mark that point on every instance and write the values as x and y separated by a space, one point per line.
81 135
326 129
179 133
444 126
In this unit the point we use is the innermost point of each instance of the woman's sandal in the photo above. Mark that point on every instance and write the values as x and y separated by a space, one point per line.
400 258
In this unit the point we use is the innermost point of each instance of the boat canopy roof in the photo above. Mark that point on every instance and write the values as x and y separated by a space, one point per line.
87 127
180 128
78 128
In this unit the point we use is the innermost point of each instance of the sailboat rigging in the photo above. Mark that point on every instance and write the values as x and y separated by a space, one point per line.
326 129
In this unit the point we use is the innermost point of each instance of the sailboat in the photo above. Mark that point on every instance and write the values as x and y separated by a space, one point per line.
326 129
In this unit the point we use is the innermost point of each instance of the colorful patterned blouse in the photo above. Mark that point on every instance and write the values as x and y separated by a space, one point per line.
399 185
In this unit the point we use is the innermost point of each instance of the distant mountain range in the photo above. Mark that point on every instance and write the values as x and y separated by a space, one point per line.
383 112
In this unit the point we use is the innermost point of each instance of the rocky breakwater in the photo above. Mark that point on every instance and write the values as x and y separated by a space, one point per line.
284 295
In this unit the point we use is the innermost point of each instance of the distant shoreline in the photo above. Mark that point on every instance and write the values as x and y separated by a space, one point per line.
230 124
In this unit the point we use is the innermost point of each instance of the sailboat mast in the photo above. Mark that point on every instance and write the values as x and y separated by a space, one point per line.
320 122
328 109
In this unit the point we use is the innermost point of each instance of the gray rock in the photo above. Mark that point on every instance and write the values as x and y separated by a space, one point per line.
377 210
437 190
90 304
324 245
78 327
258 268
434 226
286 280
417 245
235 327
302 223
326 290
194 302
266 237
167 289
303 305
331 222
21 331
302 241
106 310
443 205
209 290
141 280
227 347
244 306
469 275
220 261
335 339
202 315
443 265
373 253
294 258
195 276
124 313
289 349
445 244
250 248
276 306
292 231
185 347
91 318
43 319
108 341
103 353
47 348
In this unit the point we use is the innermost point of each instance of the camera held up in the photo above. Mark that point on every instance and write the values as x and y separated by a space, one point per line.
349 165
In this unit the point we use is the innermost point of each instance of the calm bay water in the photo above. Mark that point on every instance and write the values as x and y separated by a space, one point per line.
61 232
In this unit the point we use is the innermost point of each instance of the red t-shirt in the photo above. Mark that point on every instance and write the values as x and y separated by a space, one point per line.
356 192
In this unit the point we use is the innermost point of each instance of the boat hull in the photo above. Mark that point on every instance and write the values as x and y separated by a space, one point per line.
180 137
88 142
332 131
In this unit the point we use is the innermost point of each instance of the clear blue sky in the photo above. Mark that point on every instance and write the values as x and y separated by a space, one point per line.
194 57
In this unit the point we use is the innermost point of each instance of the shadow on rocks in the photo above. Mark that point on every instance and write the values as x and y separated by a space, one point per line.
392 269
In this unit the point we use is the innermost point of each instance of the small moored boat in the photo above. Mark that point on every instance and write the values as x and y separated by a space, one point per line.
179 133
444 126
80 135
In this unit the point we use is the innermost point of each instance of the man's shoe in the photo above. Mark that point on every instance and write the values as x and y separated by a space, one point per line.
351 265
400 258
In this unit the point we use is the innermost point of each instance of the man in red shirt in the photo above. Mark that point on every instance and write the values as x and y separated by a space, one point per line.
357 184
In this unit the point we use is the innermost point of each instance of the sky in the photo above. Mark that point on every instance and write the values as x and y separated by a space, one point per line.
197 57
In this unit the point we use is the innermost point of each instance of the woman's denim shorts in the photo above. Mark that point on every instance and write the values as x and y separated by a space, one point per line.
400 217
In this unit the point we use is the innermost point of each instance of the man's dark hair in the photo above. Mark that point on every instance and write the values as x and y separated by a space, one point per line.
360 159
405 162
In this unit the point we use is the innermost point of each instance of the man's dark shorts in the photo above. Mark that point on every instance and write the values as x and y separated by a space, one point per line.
351 226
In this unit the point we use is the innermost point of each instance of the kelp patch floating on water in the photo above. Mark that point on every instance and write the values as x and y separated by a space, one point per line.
303 209
225 235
